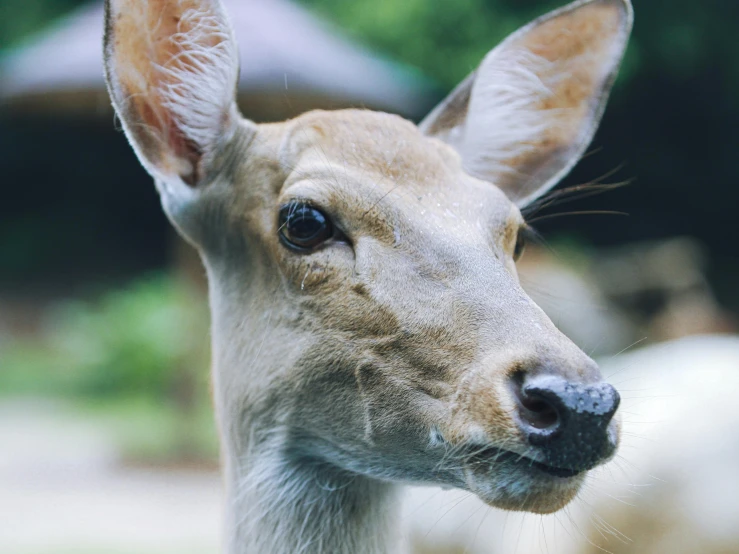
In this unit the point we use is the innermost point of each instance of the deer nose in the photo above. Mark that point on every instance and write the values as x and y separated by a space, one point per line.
568 422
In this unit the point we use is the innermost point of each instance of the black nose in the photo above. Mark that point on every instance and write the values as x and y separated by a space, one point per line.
566 421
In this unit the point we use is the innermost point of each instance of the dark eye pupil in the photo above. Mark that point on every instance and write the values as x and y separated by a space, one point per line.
305 222
303 226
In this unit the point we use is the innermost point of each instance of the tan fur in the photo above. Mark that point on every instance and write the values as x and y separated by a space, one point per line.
583 59
384 358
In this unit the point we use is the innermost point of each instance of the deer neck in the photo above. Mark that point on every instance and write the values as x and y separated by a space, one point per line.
278 506
277 499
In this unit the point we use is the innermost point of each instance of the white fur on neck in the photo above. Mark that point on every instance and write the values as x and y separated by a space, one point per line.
282 505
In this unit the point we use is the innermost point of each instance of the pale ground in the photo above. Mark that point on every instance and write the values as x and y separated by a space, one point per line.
63 491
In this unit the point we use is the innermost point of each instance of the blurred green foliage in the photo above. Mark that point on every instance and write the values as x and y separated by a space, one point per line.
20 18
445 38
135 361
134 341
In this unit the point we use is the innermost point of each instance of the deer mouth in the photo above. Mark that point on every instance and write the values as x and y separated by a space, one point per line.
510 459
512 481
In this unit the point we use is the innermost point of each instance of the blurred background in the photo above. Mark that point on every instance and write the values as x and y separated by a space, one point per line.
106 433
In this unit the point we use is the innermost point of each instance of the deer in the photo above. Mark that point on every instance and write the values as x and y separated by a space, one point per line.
368 327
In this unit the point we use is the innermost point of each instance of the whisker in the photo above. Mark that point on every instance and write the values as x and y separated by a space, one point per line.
583 212
571 194
590 188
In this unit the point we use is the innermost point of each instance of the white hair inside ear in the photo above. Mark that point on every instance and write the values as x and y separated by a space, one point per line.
198 88
172 69
513 84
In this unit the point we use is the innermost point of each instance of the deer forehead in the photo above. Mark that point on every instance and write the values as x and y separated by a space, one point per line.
379 175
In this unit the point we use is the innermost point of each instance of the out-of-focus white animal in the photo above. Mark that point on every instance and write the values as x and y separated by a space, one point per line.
673 488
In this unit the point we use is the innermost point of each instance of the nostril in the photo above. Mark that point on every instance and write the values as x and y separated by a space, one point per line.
537 412
539 409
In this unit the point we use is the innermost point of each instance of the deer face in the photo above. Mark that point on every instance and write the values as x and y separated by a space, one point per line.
363 285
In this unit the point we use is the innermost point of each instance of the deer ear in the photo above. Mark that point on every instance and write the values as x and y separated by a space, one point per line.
172 70
525 116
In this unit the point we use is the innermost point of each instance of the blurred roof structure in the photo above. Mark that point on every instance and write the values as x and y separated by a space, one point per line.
290 61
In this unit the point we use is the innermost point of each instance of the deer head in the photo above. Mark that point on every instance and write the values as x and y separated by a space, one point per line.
368 322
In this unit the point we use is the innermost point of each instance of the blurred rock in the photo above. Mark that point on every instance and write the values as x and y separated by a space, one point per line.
574 302
651 291
662 286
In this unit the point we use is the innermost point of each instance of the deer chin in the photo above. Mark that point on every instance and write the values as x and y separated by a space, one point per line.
510 481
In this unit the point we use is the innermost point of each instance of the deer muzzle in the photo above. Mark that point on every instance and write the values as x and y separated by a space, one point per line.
568 423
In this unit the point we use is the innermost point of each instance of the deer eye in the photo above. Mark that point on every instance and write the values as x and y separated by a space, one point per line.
303 227
520 245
